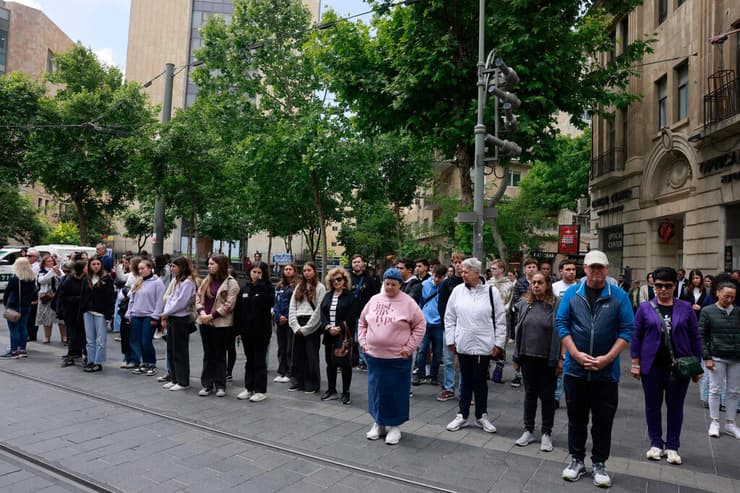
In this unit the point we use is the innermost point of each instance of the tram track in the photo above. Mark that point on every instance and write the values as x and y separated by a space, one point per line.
216 431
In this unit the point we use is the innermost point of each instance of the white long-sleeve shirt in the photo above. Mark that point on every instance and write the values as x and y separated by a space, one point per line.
469 323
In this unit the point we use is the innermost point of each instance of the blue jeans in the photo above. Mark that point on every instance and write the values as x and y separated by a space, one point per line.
449 373
116 317
559 387
435 335
142 347
19 330
96 335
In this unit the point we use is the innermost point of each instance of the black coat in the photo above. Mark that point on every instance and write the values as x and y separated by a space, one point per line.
364 287
345 313
252 317
100 298
70 297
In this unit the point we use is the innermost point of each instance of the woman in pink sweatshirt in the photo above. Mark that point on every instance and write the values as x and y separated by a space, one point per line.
391 327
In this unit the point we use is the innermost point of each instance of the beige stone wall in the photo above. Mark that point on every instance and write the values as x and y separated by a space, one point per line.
32 35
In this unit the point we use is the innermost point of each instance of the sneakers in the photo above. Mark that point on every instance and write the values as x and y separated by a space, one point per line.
434 382
139 371
220 393
714 429
204 392
376 431
10 355
732 430
164 378
258 397
329 395
575 470
673 457
485 424
654 453
526 438
21 353
416 381
516 381
177 387
244 395
310 391
393 436
128 366
88 368
601 477
345 399
457 423
363 366
294 388
71 362
445 395
168 385
284 379
150 372
546 443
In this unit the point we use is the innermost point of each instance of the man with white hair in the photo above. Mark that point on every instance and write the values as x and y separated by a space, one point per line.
595 324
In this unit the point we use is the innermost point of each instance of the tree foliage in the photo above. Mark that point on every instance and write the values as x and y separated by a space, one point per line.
19 219
81 154
139 222
65 232
20 104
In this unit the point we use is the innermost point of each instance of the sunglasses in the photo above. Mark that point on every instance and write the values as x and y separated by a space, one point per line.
660 285
338 279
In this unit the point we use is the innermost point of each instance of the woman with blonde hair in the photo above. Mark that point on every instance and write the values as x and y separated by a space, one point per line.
337 324
17 300
214 303
305 319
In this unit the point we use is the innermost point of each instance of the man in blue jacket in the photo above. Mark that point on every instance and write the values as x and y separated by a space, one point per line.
595 324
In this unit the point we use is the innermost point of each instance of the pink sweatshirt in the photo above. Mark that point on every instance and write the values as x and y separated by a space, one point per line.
390 325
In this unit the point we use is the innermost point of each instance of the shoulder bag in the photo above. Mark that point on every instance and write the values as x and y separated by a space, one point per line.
342 354
14 315
685 366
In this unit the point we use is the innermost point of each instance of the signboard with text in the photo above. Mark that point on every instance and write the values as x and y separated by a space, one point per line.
569 239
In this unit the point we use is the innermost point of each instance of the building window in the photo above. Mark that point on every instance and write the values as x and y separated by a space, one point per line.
40 203
679 3
682 92
625 132
662 10
51 65
335 228
662 102
4 28
624 29
514 178
333 243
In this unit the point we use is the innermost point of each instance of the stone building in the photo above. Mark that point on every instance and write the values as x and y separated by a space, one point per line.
665 176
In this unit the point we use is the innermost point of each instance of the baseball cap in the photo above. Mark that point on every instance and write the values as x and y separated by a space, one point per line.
595 257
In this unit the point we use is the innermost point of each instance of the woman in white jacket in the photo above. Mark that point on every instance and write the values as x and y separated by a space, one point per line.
304 318
475 329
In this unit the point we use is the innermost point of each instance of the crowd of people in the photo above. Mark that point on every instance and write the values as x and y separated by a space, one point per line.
418 319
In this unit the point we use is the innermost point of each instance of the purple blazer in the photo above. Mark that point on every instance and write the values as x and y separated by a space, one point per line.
649 331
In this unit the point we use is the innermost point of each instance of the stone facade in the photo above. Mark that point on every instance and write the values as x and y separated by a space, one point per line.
665 186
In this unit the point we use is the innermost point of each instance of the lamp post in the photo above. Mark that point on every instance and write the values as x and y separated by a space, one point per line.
158 243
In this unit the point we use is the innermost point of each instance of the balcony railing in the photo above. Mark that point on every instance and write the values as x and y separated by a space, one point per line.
607 162
723 101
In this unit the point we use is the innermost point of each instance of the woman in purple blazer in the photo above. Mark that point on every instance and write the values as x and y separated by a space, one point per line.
651 361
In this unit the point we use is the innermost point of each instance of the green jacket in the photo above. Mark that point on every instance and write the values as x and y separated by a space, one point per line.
720 333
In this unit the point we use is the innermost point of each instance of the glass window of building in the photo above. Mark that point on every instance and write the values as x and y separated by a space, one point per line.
4 28
514 178
682 96
662 10
662 102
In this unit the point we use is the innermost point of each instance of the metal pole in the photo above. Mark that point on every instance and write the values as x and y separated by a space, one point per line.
480 136
158 246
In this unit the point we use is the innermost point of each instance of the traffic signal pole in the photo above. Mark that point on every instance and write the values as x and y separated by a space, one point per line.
479 183
158 243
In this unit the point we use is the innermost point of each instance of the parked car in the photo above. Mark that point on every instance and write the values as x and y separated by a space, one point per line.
7 259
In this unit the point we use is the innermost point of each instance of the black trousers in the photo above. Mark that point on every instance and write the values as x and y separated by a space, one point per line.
285 349
215 340
31 326
231 351
473 381
331 371
599 400
178 349
76 340
306 372
539 383
125 344
255 368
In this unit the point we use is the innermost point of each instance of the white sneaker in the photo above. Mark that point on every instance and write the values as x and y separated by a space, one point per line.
244 395
376 431
220 393
673 457
546 443
285 379
258 397
168 385
654 453
485 424
600 475
526 438
732 430
177 387
278 379
457 423
714 429
393 436
204 392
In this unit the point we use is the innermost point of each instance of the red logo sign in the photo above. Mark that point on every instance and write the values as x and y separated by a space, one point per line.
569 239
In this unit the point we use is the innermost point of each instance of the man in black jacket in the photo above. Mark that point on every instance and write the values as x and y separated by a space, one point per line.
411 284
364 287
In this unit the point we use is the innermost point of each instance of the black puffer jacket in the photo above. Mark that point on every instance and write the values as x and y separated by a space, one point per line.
252 317
720 333
100 298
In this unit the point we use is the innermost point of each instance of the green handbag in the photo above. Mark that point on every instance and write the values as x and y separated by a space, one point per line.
685 366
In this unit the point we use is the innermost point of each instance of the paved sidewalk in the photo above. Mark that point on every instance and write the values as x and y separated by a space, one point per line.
469 460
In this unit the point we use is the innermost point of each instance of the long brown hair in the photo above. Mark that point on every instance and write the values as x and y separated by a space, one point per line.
284 281
549 296
307 289
220 276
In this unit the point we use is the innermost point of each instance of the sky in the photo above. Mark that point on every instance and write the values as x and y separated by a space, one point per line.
102 25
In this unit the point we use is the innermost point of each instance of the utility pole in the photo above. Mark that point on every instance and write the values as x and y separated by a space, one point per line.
158 239
479 181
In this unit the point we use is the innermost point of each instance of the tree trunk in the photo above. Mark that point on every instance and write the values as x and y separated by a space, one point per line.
288 240
322 222
465 162
83 220
399 226
195 236
269 248
503 254
495 233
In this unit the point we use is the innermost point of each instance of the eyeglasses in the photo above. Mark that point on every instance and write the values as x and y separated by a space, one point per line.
660 285
338 279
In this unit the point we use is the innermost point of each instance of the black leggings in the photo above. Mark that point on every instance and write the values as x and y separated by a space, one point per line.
331 371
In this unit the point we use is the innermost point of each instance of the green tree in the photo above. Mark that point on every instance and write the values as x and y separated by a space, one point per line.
81 153
20 104
65 232
139 222
19 219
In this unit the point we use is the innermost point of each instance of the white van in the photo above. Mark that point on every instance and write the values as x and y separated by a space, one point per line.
62 252
7 259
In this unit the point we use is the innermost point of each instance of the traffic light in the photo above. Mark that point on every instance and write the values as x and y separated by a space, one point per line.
504 77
